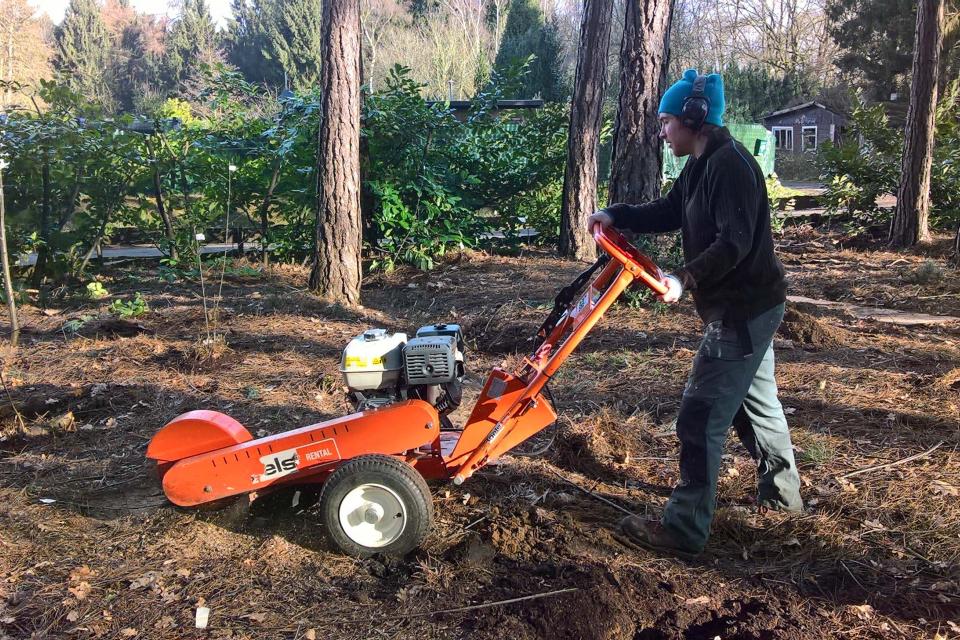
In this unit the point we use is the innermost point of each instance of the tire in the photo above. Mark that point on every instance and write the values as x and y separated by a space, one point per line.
376 504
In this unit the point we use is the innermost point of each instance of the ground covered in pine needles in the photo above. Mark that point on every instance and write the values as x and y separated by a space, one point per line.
89 547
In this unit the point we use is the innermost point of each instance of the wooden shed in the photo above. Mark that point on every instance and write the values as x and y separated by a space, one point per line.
805 127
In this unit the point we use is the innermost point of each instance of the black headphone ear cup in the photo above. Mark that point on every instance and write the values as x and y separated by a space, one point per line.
695 108
694 112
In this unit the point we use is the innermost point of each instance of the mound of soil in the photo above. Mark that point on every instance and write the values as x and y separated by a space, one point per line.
806 330
951 380
588 450
630 605
108 327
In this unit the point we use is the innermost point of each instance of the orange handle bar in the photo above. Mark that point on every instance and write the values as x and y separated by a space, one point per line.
632 259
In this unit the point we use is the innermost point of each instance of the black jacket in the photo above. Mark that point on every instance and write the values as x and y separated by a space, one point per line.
719 201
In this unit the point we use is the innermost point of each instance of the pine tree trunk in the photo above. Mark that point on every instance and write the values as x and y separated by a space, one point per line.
956 246
336 268
580 178
911 216
636 164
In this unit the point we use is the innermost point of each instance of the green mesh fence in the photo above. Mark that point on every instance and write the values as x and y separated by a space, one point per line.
754 137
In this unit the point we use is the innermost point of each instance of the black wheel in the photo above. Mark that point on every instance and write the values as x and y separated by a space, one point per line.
376 504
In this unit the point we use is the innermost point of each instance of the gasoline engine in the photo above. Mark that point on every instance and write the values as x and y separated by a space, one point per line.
380 368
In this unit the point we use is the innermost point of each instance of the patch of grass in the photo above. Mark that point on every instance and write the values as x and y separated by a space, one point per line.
593 360
816 452
927 273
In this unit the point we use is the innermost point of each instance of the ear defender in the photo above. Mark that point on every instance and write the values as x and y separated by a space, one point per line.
695 106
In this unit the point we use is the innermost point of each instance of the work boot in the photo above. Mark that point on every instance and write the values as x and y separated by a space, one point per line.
652 535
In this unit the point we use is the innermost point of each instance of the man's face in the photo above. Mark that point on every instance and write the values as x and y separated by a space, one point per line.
679 138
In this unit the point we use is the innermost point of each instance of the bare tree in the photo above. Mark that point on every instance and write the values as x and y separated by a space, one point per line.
788 36
566 17
452 43
644 57
469 18
499 9
24 52
580 178
376 17
910 218
336 271
5 259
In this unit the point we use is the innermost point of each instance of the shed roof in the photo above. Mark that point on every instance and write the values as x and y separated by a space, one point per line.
798 107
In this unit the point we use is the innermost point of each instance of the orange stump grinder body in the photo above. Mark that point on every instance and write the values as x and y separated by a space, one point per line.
373 463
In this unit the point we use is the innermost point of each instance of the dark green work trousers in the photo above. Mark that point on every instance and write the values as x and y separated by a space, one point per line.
731 383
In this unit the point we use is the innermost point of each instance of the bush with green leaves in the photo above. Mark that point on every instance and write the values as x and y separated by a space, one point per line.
75 324
867 165
434 180
797 166
431 174
863 168
133 308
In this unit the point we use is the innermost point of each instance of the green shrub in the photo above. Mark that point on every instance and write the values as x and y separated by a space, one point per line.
430 173
96 291
867 165
797 166
75 324
864 167
131 308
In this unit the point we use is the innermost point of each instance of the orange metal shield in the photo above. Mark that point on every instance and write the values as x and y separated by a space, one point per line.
299 455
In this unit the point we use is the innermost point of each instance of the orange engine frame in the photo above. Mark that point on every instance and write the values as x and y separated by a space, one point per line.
205 455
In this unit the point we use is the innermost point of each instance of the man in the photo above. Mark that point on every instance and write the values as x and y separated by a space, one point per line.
719 202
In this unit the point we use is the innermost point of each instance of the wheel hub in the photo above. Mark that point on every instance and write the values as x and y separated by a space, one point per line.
372 515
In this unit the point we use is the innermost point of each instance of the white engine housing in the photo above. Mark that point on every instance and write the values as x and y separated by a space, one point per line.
373 360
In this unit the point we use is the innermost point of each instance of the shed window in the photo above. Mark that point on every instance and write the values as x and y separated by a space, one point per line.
810 138
784 136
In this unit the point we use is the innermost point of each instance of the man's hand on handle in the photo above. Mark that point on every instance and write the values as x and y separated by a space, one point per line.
673 284
601 218
674 289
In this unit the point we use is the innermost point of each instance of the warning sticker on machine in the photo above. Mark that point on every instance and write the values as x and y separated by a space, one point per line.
497 387
581 305
586 304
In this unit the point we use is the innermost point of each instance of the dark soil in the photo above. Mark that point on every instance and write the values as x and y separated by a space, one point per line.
807 330
90 548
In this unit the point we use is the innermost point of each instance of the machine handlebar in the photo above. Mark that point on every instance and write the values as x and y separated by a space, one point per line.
621 250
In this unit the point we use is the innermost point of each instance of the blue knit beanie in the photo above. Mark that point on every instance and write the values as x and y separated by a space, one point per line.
672 101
